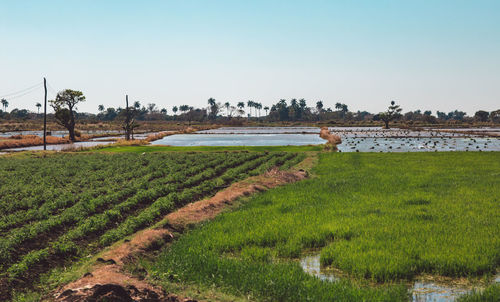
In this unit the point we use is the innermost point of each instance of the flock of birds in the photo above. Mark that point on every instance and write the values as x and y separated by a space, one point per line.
402 140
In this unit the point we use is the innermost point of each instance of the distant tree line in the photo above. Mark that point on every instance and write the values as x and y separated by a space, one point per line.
293 110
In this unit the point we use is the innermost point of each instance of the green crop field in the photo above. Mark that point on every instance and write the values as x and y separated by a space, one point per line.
384 218
57 208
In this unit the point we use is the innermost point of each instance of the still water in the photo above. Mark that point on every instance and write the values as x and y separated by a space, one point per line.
422 291
60 147
351 142
240 140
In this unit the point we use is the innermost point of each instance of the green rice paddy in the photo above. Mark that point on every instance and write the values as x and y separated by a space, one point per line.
384 218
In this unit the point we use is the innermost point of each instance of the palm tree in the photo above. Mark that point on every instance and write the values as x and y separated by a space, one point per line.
164 111
137 105
338 106
38 105
5 104
251 104
174 109
227 105
266 109
319 106
258 106
100 108
241 105
344 109
211 102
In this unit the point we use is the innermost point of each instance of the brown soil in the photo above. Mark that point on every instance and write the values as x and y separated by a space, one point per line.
109 281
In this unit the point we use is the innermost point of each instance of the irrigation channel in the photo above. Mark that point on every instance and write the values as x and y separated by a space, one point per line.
422 290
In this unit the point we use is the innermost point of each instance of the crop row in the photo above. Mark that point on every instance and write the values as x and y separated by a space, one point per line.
68 199
83 209
165 204
194 187
16 194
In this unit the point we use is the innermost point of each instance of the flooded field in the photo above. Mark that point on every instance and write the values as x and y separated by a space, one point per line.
60 147
260 130
105 140
418 144
240 140
422 290
358 139
56 133
355 139
357 131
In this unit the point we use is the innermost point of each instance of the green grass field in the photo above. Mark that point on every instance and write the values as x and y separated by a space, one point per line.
382 217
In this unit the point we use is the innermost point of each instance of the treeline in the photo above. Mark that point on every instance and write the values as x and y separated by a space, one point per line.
294 110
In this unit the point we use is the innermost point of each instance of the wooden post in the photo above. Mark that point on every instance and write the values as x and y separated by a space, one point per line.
127 120
45 116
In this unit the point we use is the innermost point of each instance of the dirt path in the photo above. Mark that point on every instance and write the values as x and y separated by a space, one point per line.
108 280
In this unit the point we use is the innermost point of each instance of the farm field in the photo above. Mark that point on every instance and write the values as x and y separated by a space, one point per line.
382 220
58 208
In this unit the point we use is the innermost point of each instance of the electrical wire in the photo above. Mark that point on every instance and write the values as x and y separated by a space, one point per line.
51 89
13 94
23 94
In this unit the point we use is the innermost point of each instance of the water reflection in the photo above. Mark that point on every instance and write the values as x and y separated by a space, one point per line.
240 140
60 147
422 291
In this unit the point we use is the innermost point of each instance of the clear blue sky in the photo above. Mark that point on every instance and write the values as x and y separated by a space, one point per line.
439 55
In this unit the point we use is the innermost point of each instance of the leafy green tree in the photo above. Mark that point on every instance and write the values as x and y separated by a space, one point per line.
441 115
456 115
64 107
495 116
393 112
282 109
151 108
481 115
303 105
184 108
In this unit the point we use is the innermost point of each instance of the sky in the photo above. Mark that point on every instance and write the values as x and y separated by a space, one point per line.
427 54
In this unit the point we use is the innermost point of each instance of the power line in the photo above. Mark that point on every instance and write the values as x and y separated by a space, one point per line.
20 91
23 94
51 89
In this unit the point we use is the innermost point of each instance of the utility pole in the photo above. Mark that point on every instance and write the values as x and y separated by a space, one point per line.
127 120
45 116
